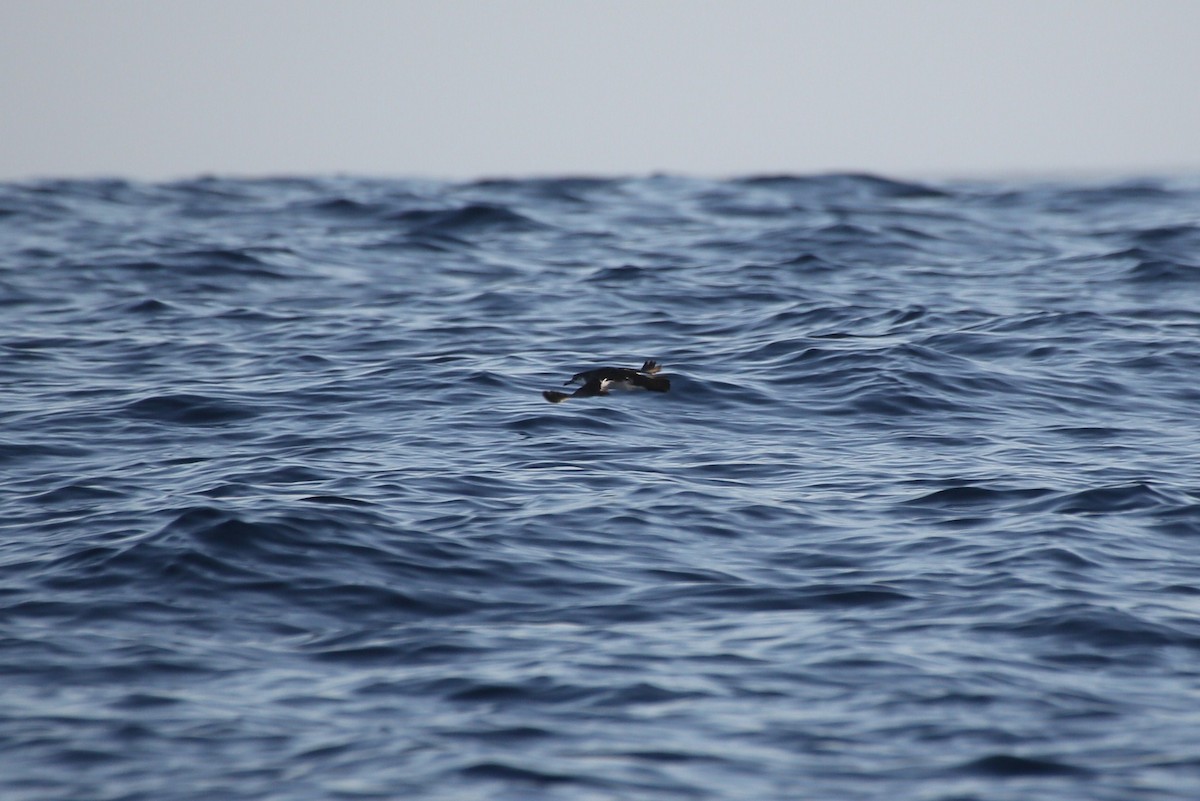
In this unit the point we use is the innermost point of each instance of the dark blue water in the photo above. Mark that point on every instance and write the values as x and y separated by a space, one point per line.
285 515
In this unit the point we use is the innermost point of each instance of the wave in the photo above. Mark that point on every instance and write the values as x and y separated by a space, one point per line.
279 474
465 219
847 183
189 409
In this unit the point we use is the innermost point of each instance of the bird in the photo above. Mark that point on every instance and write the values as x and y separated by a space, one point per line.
600 380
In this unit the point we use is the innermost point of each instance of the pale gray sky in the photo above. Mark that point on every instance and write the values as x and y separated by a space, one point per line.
460 88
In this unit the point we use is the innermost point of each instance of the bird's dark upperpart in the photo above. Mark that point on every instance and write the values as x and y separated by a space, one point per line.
601 380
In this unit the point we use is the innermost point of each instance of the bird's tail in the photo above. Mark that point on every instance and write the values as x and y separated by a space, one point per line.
650 367
555 397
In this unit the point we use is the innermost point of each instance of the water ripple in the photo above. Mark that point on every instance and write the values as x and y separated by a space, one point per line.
286 515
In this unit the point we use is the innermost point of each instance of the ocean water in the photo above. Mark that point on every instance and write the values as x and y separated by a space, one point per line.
285 515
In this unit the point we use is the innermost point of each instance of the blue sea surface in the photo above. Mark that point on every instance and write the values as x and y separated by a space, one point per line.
286 516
